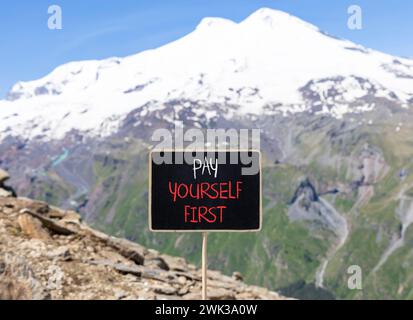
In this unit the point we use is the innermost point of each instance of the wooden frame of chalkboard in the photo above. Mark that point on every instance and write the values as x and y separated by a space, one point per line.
257 229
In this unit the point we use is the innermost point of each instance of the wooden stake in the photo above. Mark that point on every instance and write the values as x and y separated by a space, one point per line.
204 265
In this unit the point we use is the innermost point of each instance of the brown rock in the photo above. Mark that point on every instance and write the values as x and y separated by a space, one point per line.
53 225
32 227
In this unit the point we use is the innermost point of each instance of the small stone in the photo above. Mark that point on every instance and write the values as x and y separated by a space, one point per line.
112 256
36 206
5 193
182 280
156 262
72 216
32 227
90 249
183 291
61 252
237 276
220 294
245 296
56 213
7 210
164 289
175 263
119 294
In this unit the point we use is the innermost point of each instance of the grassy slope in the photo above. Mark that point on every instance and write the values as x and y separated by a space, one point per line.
373 226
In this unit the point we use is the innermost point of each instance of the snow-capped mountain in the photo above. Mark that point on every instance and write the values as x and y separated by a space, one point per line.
270 62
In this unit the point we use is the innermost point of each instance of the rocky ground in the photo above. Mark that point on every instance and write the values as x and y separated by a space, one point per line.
49 253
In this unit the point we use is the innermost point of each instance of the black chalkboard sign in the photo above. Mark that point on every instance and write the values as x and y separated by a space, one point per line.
205 191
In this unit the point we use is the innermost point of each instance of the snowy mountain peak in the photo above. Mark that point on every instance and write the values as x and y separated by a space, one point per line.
268 14
269 62
212 22
276 19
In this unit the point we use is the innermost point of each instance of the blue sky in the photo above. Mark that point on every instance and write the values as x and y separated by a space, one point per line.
95 29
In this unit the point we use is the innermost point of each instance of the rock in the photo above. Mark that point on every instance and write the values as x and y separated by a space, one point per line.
72 216
50 224
183 291
10 190
4 176
164 289
175 263
221 283
237 276
8 204
53 254
123 269
35 206
156 262
60 253
119 294
245 296
220 294
5 193
182 280
127 249
32 227
113 256
56 213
